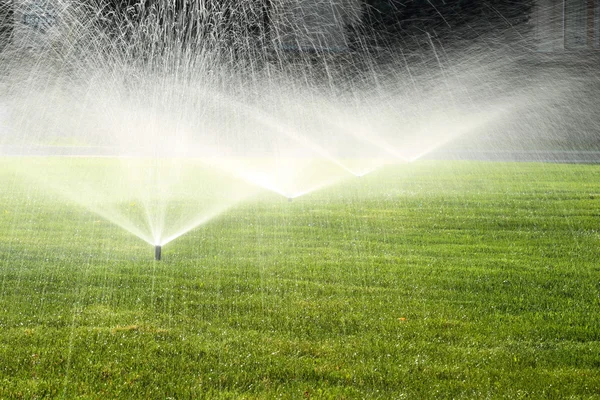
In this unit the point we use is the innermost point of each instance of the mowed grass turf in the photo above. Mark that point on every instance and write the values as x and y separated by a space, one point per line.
428 280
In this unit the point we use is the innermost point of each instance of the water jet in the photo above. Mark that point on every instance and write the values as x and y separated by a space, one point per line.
290 126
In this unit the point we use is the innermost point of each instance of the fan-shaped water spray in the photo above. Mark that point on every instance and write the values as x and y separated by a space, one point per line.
191 106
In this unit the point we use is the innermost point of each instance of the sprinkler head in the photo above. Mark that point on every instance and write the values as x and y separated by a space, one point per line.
290 199
157 252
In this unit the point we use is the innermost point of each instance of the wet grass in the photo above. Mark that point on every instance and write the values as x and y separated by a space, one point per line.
432 280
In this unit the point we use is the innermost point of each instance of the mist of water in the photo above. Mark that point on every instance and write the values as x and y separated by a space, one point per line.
191 112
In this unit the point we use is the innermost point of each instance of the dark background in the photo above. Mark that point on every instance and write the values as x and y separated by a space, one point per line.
449 20
385 22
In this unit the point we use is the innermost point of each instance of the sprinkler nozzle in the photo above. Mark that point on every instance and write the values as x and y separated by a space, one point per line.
157 252
290 199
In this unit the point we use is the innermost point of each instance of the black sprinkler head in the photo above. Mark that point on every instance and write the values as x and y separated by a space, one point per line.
290 199
157 252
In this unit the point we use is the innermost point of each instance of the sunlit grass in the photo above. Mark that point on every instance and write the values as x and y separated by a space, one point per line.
428 280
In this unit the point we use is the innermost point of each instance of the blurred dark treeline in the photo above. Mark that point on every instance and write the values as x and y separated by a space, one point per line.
406 23
6 17
384 22
409 22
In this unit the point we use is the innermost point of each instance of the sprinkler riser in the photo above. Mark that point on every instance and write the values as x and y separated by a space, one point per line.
157 252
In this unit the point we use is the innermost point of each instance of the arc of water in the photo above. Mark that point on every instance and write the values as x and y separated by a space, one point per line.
263 118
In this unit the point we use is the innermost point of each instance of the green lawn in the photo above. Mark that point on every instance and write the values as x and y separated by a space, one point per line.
428 280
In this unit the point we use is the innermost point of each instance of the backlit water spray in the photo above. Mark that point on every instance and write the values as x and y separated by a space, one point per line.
170 115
